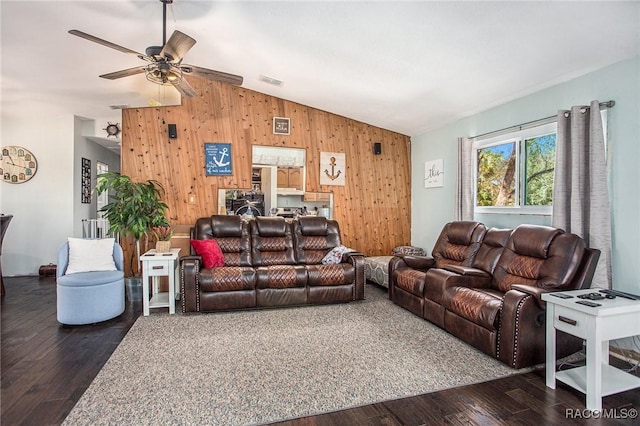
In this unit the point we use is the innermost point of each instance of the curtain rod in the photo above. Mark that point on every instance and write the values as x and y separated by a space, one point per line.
529 124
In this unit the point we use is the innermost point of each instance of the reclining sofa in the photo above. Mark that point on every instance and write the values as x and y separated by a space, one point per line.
484 286
269 262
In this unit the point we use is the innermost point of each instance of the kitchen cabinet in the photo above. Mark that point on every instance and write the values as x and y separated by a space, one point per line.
290 177
317 196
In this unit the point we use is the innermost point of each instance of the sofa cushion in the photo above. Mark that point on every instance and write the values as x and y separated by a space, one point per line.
281 276
227 278
271 226
226 226
491 248
85 279
332 274
210 252
480 306
538 256
271 242
458 243
411 281
461 232
313 225
534 241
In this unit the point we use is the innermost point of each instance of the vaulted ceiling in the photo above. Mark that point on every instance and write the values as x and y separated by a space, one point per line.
404 66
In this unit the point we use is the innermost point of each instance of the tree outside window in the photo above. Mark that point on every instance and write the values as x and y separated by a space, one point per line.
516 170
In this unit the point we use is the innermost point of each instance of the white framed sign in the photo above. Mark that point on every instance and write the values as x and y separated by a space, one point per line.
434 173
332 168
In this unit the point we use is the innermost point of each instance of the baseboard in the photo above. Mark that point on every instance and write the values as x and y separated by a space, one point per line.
628 355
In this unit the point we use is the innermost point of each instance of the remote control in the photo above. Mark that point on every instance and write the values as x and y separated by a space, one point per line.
588 303
562 295
621 294
592 296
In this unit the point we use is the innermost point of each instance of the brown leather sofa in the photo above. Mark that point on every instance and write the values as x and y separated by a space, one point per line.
269 262
492 299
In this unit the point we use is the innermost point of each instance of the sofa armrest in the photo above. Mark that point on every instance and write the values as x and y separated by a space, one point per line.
536 292
421 263
466 271
357 260
522 331
355 254
190 282
407 261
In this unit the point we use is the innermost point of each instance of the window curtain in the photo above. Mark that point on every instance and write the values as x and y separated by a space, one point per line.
464 189
580 194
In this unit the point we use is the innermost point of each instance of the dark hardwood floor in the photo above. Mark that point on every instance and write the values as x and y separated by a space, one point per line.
46 367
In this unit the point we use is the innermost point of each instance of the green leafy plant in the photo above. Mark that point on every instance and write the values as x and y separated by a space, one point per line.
134 208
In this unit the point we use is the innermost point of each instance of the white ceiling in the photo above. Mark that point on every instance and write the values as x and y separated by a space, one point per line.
404 66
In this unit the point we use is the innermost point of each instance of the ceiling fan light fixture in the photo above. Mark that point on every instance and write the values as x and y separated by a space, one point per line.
163 74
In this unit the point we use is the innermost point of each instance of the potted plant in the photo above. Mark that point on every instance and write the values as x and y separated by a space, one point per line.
134 209
163 236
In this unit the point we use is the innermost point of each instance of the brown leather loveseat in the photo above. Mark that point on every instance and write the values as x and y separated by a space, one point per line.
269 262
485 286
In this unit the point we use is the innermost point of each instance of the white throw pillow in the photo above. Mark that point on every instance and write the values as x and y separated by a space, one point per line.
90 255
335 255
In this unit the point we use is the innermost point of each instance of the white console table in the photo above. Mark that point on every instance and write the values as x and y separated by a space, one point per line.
156 265
613 319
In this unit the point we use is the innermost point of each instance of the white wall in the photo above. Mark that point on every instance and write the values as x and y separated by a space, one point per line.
85 148
432 208
42 207
47 209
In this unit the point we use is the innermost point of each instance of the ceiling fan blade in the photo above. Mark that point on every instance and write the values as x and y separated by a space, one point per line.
185 88
212 74
177 46
104 42
123 73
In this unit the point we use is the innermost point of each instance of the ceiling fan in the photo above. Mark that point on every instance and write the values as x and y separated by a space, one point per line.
165 62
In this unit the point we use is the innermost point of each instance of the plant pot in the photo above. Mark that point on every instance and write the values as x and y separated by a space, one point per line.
133 287
163 246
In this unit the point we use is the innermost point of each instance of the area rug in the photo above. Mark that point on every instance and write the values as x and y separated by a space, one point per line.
254 367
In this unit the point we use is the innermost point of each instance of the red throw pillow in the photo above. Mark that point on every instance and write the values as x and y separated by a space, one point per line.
210 252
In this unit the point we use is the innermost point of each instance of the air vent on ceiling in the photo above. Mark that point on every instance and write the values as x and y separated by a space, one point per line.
118 106
271 80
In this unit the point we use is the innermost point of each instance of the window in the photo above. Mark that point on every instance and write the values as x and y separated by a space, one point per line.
103 198
514 172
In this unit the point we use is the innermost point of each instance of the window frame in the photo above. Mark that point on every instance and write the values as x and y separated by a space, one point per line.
102 199
519 137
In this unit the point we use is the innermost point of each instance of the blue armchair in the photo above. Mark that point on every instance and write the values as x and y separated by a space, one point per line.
89 297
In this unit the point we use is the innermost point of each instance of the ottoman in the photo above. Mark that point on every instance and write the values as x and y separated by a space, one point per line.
376 269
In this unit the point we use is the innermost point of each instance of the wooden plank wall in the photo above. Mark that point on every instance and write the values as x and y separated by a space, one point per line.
373 208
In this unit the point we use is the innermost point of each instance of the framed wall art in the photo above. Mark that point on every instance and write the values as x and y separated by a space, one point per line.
434 173
86 181
217 159
281 126
332 168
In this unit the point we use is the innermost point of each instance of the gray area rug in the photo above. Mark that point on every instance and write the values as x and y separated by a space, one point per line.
255 367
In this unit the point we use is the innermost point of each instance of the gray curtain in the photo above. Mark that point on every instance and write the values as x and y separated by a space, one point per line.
464 189
580 193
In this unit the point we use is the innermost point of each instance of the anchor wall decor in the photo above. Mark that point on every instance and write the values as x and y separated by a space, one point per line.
332 168
217 159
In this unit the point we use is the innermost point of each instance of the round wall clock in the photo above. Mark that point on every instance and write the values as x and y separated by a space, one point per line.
17 164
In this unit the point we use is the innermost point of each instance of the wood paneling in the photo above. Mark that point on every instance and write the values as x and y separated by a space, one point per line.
373 208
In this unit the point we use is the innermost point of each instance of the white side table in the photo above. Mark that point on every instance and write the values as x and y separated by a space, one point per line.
613 319
156 265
